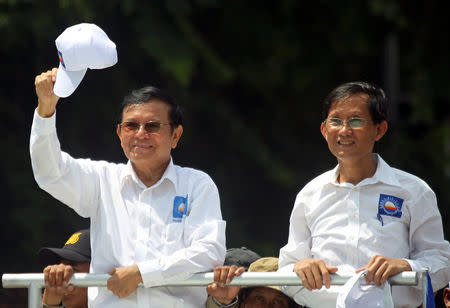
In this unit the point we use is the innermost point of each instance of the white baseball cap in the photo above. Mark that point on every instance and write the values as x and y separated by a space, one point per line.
354 294
80 47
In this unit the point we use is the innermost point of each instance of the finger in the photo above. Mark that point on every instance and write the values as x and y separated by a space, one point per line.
59 279
372 269
223 276
310 279
51 277
359 270
212 287
325 275
381 273
46 271
302 276
317 276
54 72
217 273
231 273
239 271
68 272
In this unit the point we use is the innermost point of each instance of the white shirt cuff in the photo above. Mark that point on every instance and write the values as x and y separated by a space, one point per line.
151 273
45 126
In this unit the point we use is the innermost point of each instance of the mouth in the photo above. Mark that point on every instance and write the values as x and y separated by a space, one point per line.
142 146
341 142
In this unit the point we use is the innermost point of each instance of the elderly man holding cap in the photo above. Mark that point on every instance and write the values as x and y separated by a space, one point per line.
152 221
61 263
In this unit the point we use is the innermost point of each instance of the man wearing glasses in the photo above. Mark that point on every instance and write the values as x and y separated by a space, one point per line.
363 214
151 220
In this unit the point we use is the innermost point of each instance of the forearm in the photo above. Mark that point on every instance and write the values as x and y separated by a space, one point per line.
51 298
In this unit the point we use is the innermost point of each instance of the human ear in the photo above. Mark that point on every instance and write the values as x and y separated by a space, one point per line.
381 130
176 135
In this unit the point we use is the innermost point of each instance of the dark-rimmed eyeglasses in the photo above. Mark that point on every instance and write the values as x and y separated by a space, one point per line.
149 127
335 123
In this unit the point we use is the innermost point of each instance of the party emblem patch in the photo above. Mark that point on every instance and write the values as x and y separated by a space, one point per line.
61 60
180 207
390 206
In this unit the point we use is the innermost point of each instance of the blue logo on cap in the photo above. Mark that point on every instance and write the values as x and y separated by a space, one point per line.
61 60
180 207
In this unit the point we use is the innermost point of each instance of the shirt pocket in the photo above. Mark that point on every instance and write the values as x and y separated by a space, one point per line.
173 236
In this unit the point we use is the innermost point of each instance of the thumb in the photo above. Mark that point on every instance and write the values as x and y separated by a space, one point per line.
360 269
332 269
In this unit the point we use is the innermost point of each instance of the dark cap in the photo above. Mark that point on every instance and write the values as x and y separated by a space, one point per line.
240 257
76 249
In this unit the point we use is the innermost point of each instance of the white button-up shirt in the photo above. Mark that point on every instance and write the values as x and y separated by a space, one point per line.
170 230
393 214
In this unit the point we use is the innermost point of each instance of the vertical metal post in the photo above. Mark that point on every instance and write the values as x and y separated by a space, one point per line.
34 295
424 286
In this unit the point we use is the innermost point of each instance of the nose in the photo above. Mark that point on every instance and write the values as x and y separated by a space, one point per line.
345 128
141 132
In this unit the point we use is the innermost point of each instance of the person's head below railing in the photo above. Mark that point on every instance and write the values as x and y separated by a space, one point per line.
248 297
60 264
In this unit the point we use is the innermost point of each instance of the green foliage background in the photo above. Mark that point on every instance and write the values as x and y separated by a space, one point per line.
250 75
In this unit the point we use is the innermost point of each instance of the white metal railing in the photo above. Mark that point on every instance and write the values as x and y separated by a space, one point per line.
35 282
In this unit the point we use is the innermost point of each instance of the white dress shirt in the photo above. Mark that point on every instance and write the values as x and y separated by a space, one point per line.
393 214
170 230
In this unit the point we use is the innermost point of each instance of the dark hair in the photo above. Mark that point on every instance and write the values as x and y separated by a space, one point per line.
143 95
378 102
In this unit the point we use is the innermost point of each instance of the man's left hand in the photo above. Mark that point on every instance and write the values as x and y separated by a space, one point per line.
124 280
380 268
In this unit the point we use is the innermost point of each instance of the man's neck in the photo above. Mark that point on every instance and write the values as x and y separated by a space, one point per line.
150 175
357 170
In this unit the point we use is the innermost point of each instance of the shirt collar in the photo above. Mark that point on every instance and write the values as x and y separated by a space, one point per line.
129 174
384 173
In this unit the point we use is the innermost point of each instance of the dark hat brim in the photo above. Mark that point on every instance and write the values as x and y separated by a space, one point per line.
48 256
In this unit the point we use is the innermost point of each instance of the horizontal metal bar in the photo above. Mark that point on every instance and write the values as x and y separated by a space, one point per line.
199 279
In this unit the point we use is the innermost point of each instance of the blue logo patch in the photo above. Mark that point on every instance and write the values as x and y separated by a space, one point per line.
180 207
61 60
390 206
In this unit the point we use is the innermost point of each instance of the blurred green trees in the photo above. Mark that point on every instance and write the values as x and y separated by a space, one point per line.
251 76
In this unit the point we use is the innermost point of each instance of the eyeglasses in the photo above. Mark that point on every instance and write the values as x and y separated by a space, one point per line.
150 126
335 123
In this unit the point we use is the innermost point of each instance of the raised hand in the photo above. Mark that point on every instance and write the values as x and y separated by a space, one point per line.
47 99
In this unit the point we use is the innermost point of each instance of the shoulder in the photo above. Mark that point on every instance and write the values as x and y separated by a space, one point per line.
193 180
191 174
105 166
410 181
318 182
